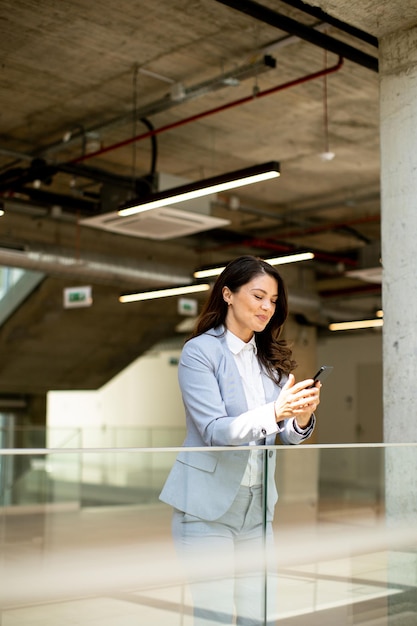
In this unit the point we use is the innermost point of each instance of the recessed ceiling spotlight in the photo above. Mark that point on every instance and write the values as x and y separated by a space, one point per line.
231 82
327 156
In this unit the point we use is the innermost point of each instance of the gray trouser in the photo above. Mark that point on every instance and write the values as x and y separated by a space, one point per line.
226 562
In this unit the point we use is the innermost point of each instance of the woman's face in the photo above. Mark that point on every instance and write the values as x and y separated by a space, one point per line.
251 308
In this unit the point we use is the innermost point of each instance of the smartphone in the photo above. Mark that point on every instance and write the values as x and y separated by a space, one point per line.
322 374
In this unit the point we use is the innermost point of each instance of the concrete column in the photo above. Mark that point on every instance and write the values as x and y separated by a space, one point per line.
398 107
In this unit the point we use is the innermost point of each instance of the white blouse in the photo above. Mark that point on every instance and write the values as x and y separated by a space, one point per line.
250 372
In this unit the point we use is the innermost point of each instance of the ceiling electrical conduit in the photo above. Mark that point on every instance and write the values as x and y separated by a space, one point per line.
224 107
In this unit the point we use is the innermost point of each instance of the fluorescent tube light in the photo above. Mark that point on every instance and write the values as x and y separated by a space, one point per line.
214 271
163 293
357 324
215 184
291 258
281 260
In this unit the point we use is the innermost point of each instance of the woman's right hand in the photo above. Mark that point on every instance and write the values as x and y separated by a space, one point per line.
297 400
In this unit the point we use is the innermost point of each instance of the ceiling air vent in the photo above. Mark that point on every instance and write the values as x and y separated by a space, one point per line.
163 223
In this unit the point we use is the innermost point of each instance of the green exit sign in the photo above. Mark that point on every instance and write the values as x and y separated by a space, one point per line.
187 306
75 297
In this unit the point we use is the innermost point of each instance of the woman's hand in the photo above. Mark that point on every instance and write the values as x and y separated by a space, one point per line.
297 400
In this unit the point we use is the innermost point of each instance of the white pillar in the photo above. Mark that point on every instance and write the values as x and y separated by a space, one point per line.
398 108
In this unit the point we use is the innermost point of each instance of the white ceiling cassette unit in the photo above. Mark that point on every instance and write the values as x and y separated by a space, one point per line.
163 223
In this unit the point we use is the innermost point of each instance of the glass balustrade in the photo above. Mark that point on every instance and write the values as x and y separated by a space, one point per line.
85 540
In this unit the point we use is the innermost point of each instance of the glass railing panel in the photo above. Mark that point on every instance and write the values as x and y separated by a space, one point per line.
39 479
26 480
16 436
145 471
97 469
132 437
324 522
38 437
343 550
114 560
346 535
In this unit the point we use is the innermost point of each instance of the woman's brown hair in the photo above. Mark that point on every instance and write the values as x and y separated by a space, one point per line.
274 354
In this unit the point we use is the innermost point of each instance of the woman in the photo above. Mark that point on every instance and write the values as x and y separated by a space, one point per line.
238 390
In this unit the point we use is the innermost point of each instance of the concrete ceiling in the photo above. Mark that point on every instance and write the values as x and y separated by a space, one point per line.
86 78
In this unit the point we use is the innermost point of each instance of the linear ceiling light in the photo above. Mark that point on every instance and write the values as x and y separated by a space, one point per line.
281 260
163 293
215 184
291 258
357 324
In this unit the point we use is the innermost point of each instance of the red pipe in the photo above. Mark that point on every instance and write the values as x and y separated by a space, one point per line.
224 107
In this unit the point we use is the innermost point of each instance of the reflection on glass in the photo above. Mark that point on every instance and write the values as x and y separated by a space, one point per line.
80 551
223 549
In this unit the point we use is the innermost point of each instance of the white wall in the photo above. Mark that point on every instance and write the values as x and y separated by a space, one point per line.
145 395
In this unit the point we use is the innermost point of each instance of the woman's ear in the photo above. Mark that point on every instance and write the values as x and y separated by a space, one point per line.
226 294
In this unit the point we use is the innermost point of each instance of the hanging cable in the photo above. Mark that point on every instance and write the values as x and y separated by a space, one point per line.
134 120
149 178
154 145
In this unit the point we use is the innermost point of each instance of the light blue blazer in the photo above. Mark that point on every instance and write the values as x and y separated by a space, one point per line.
204 483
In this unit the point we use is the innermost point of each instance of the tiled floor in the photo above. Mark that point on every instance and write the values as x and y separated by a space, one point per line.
117 566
